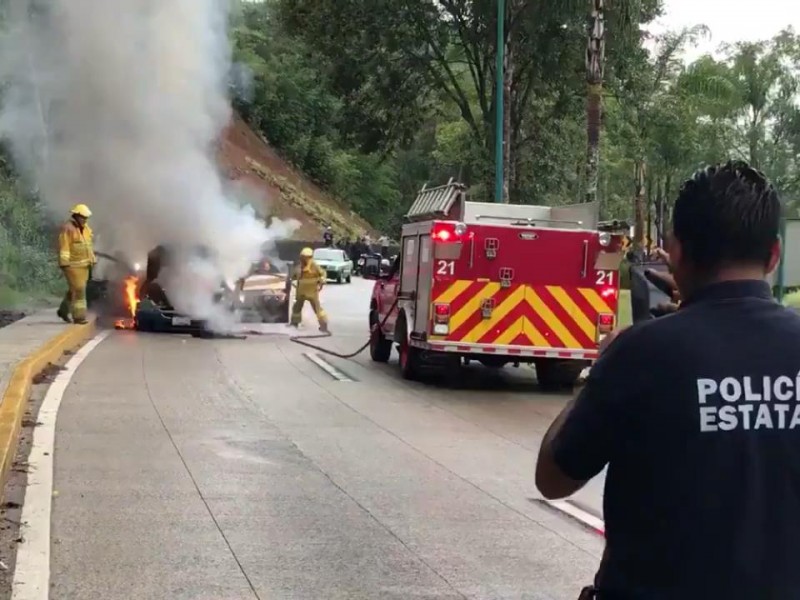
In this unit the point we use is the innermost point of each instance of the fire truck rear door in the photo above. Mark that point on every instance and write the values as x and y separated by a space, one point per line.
480 308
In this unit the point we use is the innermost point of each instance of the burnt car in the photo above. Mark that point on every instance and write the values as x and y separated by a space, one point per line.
264 294
154 311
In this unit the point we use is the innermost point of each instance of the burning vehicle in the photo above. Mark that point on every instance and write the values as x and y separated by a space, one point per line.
150 305
137 299
264 294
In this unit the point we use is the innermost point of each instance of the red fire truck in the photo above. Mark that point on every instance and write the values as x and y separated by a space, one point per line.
498 284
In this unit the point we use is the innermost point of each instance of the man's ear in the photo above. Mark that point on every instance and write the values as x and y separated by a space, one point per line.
774 255
675 251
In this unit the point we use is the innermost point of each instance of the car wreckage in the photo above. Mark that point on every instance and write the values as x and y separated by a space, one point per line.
140 301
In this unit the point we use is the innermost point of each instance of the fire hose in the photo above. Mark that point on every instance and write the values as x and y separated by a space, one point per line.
303 339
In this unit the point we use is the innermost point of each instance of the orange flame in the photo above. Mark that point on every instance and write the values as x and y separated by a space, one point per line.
132 294
131 302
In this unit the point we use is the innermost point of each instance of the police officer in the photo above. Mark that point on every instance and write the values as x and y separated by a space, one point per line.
697 416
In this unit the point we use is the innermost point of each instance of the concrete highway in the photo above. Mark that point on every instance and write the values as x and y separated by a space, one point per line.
230 469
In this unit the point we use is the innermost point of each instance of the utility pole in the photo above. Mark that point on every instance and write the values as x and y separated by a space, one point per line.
499 103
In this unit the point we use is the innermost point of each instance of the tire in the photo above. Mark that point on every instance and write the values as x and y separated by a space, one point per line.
340 278
410 357
349 278
556 375
380 349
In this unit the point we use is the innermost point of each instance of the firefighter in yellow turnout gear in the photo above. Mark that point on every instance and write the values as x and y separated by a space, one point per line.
310 278
76 258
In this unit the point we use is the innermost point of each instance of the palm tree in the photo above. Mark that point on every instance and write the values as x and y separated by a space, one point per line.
595 62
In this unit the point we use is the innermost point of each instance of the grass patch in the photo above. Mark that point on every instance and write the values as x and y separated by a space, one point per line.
624 317
792 299
11 299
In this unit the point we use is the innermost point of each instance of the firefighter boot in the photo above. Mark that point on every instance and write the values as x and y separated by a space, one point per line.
63 309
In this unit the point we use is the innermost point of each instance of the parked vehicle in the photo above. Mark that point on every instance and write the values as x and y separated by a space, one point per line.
336 264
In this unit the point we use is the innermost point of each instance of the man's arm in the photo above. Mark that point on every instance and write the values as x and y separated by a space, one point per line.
550 479
581 440
64 246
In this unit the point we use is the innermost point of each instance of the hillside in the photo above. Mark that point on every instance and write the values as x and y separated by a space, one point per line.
246 157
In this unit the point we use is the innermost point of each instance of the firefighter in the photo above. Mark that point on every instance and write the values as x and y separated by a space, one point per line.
310 279
76 258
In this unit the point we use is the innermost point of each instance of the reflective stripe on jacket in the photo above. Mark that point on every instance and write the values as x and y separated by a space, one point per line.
75 246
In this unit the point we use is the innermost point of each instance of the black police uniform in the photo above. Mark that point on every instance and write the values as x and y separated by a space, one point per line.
697 416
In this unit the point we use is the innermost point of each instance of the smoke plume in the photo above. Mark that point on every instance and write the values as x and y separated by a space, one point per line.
119 105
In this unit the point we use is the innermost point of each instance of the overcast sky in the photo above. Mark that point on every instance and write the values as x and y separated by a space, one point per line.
731 20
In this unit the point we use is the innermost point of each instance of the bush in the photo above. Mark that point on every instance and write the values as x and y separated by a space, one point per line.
27 256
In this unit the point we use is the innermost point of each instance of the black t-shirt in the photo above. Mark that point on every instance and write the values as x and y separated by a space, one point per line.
697 416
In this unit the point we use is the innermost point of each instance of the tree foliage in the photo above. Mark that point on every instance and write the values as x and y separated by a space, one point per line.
374 103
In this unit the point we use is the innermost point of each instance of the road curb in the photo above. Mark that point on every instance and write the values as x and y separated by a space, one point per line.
16 394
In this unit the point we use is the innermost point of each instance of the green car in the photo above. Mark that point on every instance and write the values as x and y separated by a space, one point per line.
335 263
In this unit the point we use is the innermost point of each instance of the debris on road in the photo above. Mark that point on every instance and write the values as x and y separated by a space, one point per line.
48 374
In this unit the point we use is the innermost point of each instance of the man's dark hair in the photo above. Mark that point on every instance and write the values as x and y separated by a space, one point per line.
726 215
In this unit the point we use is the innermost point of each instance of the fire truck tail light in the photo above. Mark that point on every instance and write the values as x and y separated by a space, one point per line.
605 320
441 319
605 323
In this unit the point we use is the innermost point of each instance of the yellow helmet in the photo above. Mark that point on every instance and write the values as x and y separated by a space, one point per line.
306 253
82 210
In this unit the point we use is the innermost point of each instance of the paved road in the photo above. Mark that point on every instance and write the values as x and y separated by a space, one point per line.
197 469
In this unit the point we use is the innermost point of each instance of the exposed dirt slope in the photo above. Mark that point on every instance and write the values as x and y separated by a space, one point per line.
246 157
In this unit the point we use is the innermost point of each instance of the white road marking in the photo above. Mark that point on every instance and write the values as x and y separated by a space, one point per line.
326 366
32 572
588 519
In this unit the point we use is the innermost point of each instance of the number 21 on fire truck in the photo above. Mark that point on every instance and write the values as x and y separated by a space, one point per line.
498 284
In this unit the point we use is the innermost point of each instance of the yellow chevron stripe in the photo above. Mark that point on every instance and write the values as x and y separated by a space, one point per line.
473 304
551 320
593 298
453 292
500 312
510 334
533 334
574 311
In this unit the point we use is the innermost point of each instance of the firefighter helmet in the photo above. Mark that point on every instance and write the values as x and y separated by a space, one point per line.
306 253
81 210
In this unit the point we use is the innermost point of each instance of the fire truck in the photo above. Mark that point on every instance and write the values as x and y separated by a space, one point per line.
498 284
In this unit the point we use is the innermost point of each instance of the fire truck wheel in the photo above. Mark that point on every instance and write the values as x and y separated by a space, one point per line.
410 359
380 349
554 374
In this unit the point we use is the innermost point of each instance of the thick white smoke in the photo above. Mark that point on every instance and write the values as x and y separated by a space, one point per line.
119 105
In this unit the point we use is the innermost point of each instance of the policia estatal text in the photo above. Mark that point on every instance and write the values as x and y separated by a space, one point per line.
697 416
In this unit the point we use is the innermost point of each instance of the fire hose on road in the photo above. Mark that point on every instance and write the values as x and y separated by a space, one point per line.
303 340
